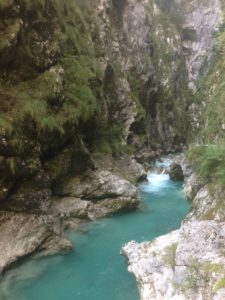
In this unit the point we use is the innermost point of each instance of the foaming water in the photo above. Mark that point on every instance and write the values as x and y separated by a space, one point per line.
95 270
157 182
166 161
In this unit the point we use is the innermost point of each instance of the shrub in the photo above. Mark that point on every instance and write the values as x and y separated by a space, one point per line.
209 163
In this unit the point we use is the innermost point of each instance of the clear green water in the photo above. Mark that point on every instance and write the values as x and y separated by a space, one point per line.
95 270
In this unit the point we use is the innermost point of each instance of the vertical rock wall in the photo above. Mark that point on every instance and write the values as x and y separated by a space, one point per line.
201 23
143 45
77 73
189 263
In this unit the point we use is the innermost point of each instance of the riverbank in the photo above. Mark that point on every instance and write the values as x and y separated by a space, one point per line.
101 192
188 263
96 262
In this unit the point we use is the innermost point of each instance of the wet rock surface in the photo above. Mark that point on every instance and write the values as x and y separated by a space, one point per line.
176 172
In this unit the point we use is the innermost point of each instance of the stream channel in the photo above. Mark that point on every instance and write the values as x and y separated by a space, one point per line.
95 270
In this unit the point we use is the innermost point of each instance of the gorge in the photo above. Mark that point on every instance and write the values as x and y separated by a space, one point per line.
91 93
95 269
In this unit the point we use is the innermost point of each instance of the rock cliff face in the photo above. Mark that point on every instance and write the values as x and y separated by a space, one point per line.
84 84
184 264
201 23
188 263
89 77
79 79
201 26
145 63
63 105
82 78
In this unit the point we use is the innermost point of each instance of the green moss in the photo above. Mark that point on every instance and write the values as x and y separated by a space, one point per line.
41 112
220 284
191 280
3 4
11 30
5 125
170 257
136 86
209 163
211 90
197 271
12 165
210 268
170 95
163 51
172 10
79 96
109 137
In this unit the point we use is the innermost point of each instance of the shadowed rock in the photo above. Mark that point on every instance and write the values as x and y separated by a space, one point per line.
176 172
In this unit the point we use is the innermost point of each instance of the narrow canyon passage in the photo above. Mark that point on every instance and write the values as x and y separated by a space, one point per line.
95 270
91 93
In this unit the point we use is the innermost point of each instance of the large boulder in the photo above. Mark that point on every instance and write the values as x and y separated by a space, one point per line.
176 172
185 264
105 192
71 207
122 165
23 234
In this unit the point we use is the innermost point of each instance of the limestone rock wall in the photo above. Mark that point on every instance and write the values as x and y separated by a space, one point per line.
144 52
109 74
189 262
200 29
201 23
80 76
184 264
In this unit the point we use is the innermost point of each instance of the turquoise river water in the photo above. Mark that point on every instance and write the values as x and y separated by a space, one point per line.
95 270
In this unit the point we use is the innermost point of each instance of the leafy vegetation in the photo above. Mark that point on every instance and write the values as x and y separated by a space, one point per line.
209 163
220 284
46 108
209 159
170 257
108 137
191 280
211 93
3 3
